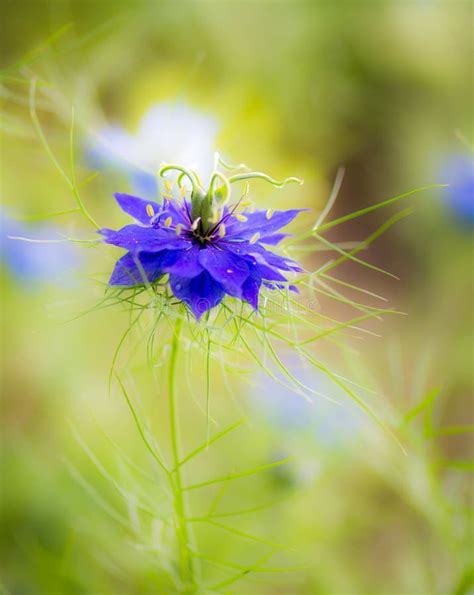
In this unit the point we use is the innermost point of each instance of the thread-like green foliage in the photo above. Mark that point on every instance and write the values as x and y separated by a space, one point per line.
235 340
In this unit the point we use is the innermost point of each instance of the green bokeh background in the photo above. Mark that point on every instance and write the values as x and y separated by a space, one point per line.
300 88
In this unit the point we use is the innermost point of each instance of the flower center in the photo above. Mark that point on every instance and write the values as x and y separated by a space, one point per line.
203 237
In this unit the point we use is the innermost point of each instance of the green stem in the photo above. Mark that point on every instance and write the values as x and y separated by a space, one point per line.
182 533
251 175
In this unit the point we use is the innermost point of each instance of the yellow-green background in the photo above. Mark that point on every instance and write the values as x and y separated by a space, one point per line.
300 88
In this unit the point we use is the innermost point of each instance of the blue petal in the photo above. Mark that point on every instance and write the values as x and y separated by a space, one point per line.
200 293
274 286
136 207
136 269
277 261
274 239
251 288
226 268
256 253
144 239
184 263
270 274
258 222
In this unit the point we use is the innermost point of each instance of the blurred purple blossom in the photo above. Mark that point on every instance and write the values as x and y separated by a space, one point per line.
459 195
34 263
329 424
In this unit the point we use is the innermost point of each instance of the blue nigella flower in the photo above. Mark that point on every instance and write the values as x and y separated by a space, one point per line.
207 248
168 132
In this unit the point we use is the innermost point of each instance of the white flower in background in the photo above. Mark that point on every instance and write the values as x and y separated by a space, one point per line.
168 133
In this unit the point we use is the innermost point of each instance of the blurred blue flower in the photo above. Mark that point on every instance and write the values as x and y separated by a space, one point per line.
329 424
459 174
34 263
168 132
